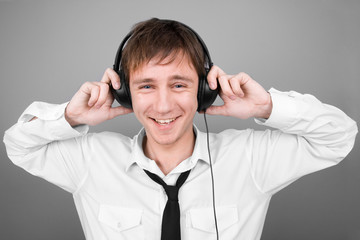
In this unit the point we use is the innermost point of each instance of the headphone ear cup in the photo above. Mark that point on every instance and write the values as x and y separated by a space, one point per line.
200 94
122 95
206 96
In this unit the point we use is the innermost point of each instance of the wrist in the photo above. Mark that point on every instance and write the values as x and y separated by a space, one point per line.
70 119
264 110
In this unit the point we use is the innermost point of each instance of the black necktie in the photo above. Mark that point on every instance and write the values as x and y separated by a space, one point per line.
170 228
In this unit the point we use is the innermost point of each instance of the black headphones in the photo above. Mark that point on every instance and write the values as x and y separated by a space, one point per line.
205 95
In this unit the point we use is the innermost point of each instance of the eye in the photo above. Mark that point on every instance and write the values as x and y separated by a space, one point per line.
179 86
146 87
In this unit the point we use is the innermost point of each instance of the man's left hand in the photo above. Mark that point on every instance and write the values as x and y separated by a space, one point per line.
243 97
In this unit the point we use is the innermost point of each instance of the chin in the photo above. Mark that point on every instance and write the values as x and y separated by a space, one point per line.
166 142
164 139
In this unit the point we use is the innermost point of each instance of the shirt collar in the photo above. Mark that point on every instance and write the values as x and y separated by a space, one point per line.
138 157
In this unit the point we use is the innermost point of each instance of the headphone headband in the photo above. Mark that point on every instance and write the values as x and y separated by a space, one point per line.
118 56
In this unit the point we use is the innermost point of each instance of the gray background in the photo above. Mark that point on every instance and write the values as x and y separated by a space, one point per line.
48 49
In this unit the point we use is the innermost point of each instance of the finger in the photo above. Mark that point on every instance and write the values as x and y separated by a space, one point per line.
94 93
103 94
110 76
235 86
216 110
243 77
225 86
213 75
117 111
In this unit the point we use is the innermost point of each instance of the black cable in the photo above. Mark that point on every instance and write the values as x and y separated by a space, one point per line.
212 176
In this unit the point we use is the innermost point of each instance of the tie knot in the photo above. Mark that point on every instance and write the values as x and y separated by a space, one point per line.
172 193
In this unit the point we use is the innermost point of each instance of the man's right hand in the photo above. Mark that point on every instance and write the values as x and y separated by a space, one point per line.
92 103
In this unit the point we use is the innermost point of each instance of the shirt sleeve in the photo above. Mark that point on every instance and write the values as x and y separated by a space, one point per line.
308 136
48 146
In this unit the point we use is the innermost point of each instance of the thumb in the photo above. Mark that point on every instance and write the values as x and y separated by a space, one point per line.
119 110
216 110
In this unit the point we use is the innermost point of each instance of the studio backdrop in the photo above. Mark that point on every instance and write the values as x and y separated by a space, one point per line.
49 48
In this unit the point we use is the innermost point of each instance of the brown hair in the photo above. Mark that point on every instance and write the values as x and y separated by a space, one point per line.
162 39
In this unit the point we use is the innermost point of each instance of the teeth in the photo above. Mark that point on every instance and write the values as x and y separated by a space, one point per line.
165 121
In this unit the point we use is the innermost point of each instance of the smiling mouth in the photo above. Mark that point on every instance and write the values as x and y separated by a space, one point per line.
164 121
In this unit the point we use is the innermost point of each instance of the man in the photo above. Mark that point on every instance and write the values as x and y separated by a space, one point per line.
112 177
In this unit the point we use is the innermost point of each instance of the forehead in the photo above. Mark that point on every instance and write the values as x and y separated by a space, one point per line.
157 67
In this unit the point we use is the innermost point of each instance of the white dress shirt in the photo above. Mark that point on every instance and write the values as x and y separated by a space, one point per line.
116 200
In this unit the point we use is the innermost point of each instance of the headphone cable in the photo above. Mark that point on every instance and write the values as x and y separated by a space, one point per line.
212 176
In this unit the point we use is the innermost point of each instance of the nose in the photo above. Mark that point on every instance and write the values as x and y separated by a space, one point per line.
164 101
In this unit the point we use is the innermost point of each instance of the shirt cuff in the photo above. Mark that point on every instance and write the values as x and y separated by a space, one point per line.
284 112
52 118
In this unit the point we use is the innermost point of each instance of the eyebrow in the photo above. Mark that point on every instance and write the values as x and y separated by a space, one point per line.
141 81
172 78
181 77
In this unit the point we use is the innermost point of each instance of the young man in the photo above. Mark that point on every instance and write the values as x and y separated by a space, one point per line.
111 176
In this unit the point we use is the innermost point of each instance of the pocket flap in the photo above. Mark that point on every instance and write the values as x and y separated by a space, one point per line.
203 218
120 218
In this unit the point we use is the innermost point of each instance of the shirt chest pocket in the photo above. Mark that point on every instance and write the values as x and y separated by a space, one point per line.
121 222
200 222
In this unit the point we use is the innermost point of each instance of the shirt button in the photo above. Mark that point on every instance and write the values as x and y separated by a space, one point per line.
119 225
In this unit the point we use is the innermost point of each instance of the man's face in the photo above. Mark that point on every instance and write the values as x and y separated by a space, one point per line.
164 98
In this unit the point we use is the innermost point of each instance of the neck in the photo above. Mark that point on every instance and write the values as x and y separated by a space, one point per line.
168 156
